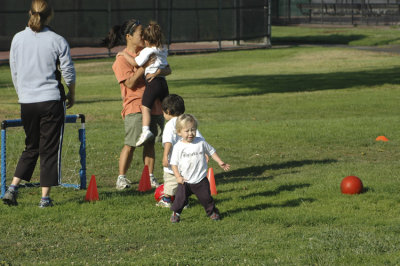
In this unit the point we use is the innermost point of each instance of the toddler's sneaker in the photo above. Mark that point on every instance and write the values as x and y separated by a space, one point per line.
45 203
153 182
163 203
145 136
215 216
10 198
175 217
122 183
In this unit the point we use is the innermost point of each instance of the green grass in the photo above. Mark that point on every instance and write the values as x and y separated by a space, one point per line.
348 35
292 122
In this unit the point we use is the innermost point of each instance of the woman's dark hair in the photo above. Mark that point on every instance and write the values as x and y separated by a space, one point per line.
173 105
39 15
117 34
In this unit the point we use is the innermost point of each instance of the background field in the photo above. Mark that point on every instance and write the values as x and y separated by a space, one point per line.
292 122
345 35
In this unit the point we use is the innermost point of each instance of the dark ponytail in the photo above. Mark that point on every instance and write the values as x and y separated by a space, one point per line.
117 34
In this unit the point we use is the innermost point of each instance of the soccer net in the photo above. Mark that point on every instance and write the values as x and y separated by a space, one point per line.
73 158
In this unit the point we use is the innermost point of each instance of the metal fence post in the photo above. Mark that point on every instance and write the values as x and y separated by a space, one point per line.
169 22
268 40
322 11
109 22
219 24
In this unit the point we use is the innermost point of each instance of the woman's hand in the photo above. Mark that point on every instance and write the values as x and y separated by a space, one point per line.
120 54
70 100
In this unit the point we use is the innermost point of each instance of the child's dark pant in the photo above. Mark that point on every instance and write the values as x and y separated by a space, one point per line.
202 192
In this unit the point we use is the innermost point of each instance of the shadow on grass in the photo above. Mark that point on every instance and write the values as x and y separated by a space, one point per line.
276 191
123 193
106 195
258 170
98 100
289 203
318 39
263 84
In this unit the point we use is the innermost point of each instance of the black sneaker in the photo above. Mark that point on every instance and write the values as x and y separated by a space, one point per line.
45 203
10 198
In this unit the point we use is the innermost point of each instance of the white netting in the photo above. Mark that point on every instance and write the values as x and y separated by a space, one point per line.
70 162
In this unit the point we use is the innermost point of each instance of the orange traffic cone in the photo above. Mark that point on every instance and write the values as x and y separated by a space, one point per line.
211 179
144 183
382 138
92 194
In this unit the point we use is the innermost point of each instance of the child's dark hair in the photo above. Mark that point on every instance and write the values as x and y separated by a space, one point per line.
153 34
173 105
117 34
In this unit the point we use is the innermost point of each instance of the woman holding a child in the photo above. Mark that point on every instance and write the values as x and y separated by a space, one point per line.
132 86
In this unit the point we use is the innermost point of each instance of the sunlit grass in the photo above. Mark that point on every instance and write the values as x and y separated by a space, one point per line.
292 122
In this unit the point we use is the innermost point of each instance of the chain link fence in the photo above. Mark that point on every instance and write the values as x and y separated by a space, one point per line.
350 12
86 22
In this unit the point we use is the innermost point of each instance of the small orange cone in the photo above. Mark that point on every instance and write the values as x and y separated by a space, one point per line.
92 194
382 138
144 183
211 179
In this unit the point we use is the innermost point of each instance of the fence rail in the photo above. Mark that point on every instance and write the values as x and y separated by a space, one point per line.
85 23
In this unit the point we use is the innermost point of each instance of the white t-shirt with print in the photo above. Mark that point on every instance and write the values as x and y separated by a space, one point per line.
169 135
191 160
160 62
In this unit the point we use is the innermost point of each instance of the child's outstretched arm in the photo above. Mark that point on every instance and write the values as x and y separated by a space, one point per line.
178 176
128 58
223 165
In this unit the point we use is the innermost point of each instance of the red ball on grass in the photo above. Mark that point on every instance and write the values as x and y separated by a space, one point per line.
351 185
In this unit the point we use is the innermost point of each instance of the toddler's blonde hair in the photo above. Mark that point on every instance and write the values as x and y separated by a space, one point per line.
183 120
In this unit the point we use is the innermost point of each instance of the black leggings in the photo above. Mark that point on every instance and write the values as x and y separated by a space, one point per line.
43 124
157 88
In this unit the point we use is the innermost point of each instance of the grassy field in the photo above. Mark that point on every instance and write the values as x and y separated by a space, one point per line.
292 122
347 35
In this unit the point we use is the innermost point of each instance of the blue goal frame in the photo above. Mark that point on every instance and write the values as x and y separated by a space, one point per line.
82 150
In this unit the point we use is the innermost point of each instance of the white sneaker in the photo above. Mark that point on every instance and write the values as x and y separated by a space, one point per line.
153 182
164 204
122 183
145 136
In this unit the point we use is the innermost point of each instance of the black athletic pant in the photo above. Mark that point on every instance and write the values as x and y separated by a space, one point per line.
202 192
157 88
44 126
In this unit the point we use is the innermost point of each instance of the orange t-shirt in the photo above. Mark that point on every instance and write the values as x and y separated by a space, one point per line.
131 97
